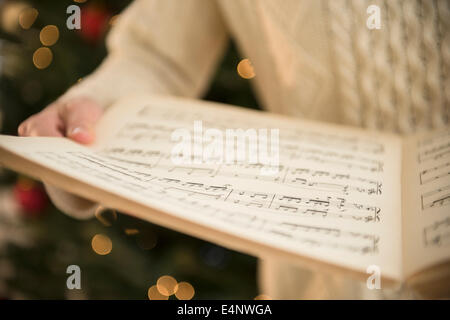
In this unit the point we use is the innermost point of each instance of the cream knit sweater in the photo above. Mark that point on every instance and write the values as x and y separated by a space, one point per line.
313 59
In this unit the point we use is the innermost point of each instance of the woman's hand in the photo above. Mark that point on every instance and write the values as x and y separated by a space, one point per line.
74 119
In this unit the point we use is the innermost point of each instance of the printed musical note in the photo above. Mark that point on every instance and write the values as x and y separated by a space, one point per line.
435 173
436 198
434 176
438 234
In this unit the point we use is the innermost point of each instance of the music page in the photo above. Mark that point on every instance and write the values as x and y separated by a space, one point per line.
321 191
426 200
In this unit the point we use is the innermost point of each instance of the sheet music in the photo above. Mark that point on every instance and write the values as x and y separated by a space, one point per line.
427 200
335 195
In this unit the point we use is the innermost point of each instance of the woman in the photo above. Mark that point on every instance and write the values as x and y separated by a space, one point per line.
312 59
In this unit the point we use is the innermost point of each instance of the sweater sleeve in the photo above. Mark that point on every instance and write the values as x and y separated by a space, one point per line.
157 46
165 47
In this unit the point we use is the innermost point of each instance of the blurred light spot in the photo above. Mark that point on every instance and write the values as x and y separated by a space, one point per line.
185 291
106 216
245 69
101 244
146 241
131 232
113 20
263 297
27 17
49 35
153 294
167 285
42 58
9 15
79 1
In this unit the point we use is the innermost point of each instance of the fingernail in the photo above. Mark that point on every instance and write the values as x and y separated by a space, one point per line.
76 130
81 135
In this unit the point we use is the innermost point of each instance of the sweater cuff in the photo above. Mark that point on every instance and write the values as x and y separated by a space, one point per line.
70 204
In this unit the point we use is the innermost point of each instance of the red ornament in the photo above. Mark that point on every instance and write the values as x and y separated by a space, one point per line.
31 197
94 23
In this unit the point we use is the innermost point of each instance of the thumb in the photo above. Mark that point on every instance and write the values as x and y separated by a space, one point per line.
80 117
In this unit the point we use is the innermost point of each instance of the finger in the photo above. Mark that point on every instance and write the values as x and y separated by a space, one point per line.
45 124
80 117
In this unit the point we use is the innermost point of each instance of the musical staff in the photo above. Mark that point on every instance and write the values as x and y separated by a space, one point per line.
328 207
435 147
436 198
437 234
349 143
434 176
198 195
303 178
435 173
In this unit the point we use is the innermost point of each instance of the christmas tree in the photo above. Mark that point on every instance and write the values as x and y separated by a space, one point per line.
119 257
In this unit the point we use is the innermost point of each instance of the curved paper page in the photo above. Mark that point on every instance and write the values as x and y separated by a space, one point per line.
333 198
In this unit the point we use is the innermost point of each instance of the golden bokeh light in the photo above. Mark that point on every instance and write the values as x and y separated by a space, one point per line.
131 232
27 17
42 58
49 35
263 297
154 294
245 69
9 15
79 1
106 216
101 244
167 285
185 291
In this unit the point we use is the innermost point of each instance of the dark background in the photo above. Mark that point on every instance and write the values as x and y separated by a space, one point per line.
37 242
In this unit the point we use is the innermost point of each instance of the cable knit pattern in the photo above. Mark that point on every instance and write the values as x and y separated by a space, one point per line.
365 75
341 28
432 62
414 56
399 68
391 92
444 36
383 73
